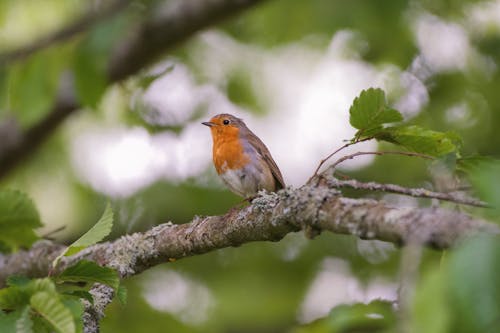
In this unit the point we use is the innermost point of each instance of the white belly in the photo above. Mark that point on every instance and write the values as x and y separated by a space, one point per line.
248 181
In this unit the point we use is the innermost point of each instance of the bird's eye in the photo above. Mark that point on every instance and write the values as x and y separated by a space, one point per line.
225 122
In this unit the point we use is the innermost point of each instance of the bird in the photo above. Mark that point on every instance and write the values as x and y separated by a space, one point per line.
241 159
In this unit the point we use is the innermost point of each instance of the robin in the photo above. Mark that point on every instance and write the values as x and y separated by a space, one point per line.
241 159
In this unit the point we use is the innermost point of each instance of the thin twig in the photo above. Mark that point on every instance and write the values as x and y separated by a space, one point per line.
65 33
380 153
335 152
413 192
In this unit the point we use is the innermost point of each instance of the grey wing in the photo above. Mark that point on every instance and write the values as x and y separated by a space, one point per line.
266 155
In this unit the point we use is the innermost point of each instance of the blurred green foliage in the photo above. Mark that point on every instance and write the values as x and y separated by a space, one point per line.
261 287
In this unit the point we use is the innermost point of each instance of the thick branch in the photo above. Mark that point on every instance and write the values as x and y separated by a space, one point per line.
269 218
174 23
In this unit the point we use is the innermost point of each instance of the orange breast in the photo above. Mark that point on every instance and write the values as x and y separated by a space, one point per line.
228 152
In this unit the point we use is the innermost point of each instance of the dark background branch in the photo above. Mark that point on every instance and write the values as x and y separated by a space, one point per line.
67 32
173 23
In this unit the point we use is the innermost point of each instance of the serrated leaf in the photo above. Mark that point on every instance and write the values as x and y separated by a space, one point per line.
122 294
18 218
77 309
41 325
8 321
80 294
18 295
14 237
421 140
90 272
369 111
13 298
97 233
24 323
36 285
17 208
50 307
18 281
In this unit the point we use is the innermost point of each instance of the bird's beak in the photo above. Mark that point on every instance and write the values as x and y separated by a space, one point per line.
207 123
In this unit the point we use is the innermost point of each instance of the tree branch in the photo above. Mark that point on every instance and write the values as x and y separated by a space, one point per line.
176 21
270 217
379 153
81 24
172 23
414 192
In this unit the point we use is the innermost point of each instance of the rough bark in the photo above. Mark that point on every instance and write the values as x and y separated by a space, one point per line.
270 217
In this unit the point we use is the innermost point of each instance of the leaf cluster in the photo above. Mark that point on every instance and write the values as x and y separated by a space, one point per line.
53 303
371 116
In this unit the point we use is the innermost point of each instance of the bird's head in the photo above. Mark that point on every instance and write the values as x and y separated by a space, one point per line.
225 125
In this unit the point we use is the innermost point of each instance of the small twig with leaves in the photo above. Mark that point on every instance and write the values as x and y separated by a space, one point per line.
370 115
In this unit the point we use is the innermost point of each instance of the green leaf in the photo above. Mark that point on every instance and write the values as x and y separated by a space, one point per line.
36 285
421 140
19 281
97 233
376 316
50 307
33 83
369 112
13 298
430 310
41 325
122 293
483 174
18 295
241 91
90 272
91 61
18 218
77 309
80 294
473 163
8 321
17 208
473 283
24 323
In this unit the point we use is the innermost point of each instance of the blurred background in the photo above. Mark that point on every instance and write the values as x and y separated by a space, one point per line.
290 69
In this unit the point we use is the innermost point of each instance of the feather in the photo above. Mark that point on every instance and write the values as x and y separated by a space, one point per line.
262 150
